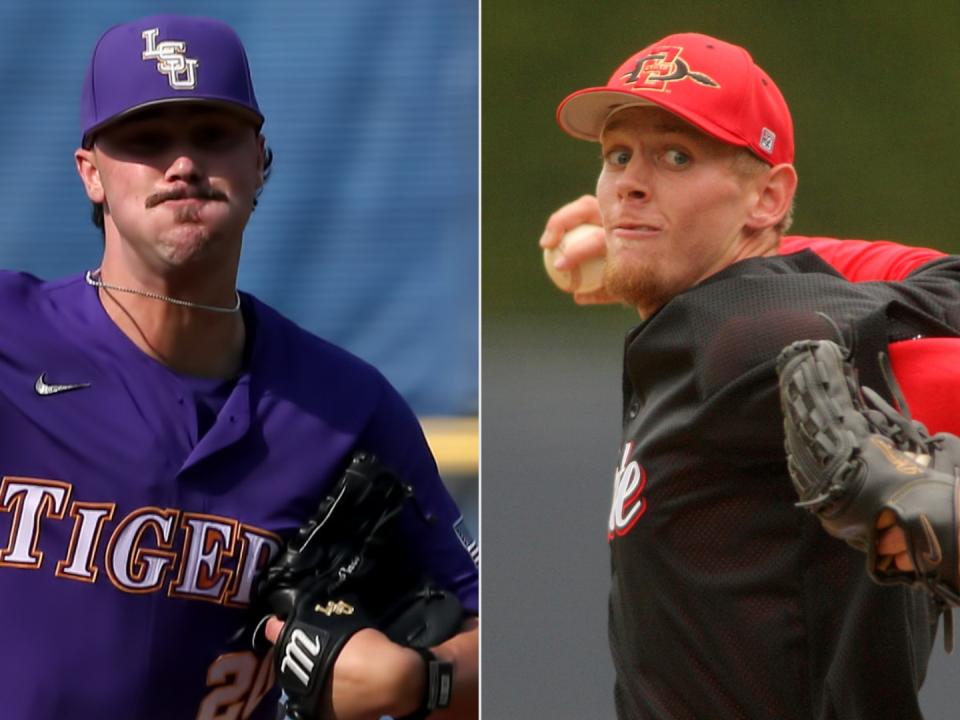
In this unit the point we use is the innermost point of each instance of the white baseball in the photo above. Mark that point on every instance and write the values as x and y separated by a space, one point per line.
585 277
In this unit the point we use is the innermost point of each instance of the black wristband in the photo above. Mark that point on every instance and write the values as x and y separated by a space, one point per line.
438 688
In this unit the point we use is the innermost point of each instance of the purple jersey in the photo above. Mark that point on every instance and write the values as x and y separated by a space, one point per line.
128 546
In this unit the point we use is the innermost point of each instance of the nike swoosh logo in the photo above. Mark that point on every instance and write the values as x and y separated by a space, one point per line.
44 388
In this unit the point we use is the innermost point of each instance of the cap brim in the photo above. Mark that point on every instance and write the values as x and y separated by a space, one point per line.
584 113
254 118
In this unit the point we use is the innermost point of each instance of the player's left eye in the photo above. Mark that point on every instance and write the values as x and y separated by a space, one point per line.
677 158
215 136
208 137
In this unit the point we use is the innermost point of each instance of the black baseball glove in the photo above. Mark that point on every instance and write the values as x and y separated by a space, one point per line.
344 570
851 456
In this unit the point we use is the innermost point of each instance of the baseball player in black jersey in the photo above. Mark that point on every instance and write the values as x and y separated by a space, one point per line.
727 601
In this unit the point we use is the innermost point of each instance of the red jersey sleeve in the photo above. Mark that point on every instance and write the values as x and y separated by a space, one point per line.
929 375
863 260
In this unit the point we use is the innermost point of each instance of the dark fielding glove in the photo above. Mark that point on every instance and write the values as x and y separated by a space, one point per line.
851 456
345 570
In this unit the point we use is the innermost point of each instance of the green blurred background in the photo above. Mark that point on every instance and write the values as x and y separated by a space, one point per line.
875 92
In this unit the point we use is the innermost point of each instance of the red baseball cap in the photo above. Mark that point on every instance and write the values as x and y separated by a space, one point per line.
713 85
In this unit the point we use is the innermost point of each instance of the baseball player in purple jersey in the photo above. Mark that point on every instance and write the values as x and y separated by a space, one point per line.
162 433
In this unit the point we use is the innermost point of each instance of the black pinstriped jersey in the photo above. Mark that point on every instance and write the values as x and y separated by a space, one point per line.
727 601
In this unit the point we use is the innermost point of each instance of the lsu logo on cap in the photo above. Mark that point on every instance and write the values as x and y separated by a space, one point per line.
171 60
657 70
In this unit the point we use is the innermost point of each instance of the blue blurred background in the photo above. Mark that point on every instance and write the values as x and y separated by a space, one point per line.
366 233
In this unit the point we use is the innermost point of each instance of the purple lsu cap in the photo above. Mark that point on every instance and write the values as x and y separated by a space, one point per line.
165 58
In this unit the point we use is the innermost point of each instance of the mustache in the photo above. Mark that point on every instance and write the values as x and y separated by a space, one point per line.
187 193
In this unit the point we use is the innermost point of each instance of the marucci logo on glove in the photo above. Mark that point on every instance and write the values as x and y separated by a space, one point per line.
300 655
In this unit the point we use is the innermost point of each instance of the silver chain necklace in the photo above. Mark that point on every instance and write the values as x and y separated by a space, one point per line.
93 278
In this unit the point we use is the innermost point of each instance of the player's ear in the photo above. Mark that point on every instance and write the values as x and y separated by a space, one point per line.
261 160
89 174
775 191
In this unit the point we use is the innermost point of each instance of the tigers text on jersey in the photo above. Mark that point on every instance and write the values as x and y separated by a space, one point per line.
132 526
727 601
